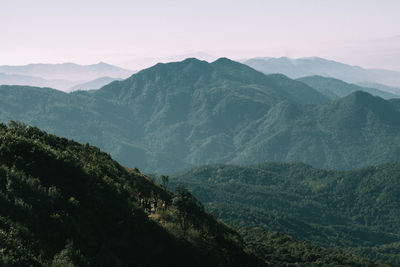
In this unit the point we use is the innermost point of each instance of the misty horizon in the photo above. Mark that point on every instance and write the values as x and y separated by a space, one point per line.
362 33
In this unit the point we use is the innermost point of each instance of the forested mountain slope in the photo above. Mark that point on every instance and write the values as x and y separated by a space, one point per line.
63 203
356 210
183 114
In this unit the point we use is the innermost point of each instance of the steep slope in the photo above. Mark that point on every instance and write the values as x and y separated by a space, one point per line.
68 204
334 88
356 210
296 68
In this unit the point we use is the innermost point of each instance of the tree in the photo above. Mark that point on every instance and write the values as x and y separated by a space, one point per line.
190 210
164 181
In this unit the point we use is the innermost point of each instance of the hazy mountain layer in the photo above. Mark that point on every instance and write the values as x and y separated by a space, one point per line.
95 84
334 88
296 68
68 71
14 79
381 87
62 76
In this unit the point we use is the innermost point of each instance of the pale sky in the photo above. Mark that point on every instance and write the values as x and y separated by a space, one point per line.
359 32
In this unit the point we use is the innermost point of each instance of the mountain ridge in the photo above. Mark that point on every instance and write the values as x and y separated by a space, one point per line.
335 88
296 68
60 76
182 114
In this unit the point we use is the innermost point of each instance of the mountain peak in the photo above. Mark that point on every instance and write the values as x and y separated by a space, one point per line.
102 63
192 59
225 61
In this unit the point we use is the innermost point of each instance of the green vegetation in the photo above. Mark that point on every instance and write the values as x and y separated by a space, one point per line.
180 115
354 210
67 204
164 118
276 248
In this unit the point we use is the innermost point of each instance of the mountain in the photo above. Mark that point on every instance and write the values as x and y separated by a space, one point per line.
357 130
14 79
61 76
296 68
335 88
143 63
179 115
95 84
381 87
69 204
354 210
68 71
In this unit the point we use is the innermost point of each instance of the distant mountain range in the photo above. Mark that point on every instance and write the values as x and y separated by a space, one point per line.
64 76
296 68
95 84
335 89
178 115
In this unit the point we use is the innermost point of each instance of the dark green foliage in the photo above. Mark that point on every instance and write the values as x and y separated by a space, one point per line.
164 181
276 248
188 208
67 204
355 210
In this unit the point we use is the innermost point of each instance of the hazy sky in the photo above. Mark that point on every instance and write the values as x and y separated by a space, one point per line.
363 32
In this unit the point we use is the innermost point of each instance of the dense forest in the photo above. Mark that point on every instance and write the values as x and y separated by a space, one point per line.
355 210
68 204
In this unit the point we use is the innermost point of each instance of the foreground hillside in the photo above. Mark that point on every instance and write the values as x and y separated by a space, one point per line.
67 204
184 114
355 210
64 204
